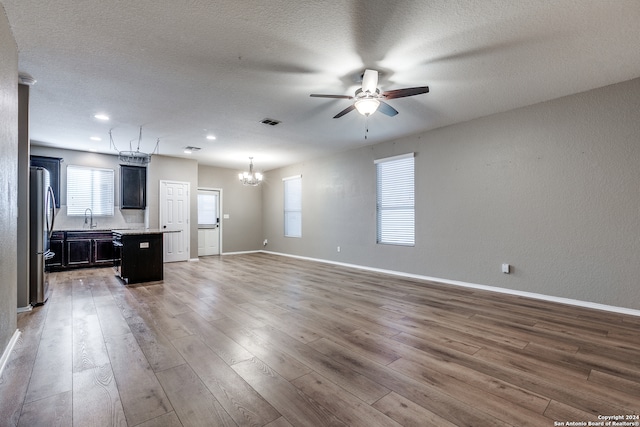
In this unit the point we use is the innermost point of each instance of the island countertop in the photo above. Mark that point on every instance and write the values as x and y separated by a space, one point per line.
121 231
136 231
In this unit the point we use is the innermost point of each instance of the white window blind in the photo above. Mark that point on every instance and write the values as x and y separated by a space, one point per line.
89 188
207 209
395 200
293 206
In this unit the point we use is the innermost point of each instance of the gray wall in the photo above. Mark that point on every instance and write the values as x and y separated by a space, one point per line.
553 189
242 231
8 180
22 245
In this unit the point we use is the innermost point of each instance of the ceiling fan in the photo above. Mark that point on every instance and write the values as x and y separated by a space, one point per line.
369 99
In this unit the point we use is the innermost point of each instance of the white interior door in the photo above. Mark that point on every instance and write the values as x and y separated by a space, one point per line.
208 222
174 217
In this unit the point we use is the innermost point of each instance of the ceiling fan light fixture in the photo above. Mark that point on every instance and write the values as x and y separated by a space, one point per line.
189 149
26 79
367 106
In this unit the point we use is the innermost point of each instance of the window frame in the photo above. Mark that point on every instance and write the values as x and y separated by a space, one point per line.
395 209
98 207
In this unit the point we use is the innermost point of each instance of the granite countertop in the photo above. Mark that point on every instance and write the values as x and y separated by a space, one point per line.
135 231
123 231
77 230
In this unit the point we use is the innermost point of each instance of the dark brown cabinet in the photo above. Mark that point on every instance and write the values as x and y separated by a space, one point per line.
81 249
133 187
139 257
52 164
78 252
103 250
56 245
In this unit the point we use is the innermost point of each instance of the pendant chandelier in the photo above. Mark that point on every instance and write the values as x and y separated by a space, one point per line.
133 157
250 178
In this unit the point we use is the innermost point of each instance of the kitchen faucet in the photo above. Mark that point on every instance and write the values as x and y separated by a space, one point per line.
91 224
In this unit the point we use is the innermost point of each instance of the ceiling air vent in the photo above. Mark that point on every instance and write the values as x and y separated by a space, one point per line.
270 122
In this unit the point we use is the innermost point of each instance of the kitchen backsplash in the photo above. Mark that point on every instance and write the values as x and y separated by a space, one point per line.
121 219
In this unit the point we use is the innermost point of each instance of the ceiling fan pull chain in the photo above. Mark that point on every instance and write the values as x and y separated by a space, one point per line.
139 139
366 127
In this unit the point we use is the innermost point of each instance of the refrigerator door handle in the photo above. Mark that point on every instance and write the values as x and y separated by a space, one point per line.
50 203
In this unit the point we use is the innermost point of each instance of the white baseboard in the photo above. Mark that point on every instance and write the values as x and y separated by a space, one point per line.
243 252
8 350
25 309
194 259
561 300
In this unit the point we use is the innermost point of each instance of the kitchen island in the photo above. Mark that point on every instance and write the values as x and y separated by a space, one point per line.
138 255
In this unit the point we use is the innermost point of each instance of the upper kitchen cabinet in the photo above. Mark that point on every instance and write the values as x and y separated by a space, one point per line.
52 164
133 187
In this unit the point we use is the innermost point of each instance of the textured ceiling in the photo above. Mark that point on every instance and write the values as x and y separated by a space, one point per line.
184 69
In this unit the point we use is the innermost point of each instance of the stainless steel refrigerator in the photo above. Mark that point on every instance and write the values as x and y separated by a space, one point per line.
42 211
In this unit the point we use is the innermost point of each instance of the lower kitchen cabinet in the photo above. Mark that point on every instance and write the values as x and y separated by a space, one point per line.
56 245
75 249
103 250
78 252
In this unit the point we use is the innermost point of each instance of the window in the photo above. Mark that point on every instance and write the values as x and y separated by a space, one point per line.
395 200
208 201
89 188
293 206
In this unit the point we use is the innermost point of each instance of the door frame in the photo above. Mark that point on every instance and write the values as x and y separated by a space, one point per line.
220 204
187 216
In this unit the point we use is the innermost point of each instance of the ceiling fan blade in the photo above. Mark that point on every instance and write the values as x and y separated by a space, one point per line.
387 109
369 81
345 111
401 93
315 95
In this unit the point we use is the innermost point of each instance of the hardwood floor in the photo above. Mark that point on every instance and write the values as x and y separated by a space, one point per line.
263 340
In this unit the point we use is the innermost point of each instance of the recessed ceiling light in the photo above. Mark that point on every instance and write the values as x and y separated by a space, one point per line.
95 138
211 137
101 117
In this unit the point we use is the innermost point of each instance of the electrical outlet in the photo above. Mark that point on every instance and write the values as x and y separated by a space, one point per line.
264 243
506 268
338 249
